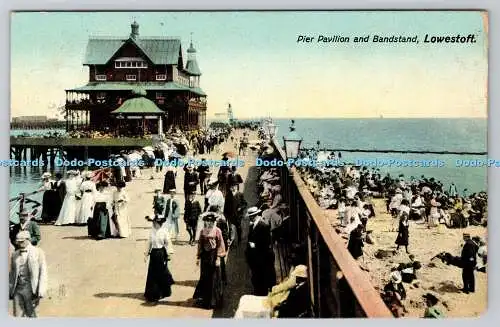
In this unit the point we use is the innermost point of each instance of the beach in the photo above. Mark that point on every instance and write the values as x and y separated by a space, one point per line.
445 280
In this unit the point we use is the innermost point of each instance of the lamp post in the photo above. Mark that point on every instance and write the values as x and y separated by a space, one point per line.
292 143
272 130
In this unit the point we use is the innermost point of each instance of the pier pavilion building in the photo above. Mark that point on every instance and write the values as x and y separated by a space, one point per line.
120 66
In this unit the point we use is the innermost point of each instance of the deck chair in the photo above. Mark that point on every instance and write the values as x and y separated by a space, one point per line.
297 304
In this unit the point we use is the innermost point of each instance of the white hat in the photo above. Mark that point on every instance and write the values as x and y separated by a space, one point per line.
398 190
46 175
23 235
396 277
300 271
253 211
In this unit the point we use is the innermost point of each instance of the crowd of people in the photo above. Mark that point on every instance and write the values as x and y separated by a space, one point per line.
351 190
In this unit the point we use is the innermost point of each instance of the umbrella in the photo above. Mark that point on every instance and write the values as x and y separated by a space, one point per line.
229 154
101 175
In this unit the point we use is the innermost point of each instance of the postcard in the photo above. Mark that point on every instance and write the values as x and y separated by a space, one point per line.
264 164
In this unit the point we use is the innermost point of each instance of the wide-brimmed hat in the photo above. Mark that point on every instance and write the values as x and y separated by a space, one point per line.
252 211
396 277
46 175
158 190
209 217
23 236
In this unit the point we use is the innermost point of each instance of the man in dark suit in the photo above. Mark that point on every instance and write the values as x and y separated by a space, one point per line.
190 181
234 208
259 254
468 260
203 175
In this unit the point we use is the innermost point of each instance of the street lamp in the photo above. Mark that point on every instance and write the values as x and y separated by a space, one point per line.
292 143
271 130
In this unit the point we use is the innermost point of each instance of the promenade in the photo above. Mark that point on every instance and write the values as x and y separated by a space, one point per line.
89 278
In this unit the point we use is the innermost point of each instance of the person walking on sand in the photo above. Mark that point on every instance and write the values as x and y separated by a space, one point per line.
468 260
403 232
27 277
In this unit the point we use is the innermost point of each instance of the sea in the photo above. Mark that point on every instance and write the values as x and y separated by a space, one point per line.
457 135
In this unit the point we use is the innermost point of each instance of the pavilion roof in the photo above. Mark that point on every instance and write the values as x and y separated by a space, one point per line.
160 50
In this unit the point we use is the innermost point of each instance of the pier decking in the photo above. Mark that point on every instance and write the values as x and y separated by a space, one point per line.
106 278
89 278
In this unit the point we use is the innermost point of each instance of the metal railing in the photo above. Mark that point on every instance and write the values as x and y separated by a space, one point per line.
337 285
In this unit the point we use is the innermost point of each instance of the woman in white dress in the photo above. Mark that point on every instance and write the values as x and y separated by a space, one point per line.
88 190
120 202
67 215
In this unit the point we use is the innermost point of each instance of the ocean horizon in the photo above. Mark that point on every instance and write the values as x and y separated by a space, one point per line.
422 134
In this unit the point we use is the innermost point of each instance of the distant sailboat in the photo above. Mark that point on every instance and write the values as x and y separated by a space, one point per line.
381 116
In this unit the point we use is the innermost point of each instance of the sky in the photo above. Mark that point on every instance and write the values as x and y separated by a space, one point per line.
253 61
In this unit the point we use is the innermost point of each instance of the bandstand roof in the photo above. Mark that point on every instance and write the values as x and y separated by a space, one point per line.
138 105
129 86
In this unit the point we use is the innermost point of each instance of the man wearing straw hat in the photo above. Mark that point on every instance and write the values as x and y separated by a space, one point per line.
26 224
27 276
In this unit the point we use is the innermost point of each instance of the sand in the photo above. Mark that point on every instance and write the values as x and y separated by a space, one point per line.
445 281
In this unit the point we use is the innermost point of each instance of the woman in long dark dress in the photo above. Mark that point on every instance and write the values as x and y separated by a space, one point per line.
50 199
159 281
403 233
211 249
169 182
355 245
99 225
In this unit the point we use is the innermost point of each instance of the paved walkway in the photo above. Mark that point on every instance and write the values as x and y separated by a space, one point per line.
106 278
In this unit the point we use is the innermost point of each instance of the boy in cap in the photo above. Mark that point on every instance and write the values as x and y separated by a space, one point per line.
192 211
27 277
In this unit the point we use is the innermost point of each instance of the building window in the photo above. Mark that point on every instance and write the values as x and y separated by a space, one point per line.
100 77
161 77
130 64
131 77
